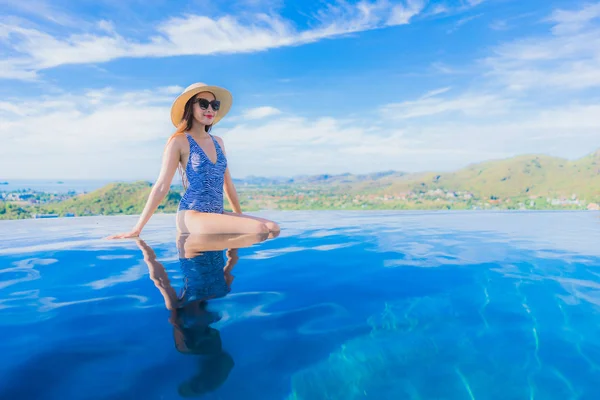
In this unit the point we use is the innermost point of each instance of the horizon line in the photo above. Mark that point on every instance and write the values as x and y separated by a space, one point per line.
111 180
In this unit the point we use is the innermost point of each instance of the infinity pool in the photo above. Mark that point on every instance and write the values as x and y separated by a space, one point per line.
342 305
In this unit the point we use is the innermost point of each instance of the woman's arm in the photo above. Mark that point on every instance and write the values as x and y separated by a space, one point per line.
228 185
159 190
232 259
158 275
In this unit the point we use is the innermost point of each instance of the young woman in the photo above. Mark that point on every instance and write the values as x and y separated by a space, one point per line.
202 161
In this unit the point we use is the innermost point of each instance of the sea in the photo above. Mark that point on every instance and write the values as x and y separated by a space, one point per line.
52 186
340 305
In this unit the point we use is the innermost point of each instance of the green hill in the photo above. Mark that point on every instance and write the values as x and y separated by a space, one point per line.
518 179
527 175
521 176
115 198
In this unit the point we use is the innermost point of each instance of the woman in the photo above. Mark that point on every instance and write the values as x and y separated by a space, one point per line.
202 161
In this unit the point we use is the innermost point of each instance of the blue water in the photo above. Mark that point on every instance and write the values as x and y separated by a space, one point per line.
378 305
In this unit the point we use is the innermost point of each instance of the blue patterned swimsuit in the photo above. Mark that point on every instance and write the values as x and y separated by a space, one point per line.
203 276
205 180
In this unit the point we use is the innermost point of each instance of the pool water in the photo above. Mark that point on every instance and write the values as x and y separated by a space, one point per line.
342 305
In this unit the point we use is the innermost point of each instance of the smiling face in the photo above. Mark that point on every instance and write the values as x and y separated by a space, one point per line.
204 108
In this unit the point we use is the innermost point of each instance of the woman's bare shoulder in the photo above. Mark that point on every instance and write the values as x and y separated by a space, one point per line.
178 142
219 140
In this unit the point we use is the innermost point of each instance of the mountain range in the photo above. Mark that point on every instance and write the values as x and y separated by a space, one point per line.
528 176
525 175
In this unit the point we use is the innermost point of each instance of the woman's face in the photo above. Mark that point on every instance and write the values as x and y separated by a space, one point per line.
204 113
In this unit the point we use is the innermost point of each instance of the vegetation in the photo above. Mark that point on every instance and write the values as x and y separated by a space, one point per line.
13 211
534 175
524 182
115 198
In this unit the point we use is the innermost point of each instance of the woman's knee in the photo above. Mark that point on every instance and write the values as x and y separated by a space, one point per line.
272 226
261 228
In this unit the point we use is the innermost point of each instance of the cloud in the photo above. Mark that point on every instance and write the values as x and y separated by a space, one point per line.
474 105
568 58
444 69
568 21
91 134
43 10
463 21
260 112
436 92
33 50
499 25
121 135
505 23
403 13
453 139
524 98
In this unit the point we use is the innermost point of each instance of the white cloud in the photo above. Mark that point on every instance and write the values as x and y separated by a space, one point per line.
261 112
16 69
326 145
106 134
469 104
120 135
193 35
463 21
43 10
499 25
435 92
568 58
444 69
403 13
568 21
92 134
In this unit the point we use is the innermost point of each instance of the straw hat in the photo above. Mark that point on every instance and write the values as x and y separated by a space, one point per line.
223 95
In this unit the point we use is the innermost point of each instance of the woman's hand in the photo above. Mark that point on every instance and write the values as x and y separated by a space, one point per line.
133 234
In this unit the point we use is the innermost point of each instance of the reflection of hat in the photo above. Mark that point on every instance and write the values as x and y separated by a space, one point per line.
221 94
213 372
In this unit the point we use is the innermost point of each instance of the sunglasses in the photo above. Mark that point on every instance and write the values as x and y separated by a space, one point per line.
204 103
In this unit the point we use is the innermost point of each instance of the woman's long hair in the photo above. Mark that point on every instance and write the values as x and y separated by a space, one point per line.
184 126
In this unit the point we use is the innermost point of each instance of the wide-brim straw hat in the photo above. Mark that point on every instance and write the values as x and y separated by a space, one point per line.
221 94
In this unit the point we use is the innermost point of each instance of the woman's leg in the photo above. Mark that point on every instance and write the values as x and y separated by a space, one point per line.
273 227
190 245
200 223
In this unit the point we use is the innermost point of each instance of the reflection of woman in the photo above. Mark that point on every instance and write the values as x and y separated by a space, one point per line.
207 275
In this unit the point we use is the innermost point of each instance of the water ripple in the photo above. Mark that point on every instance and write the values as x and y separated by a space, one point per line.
24 271
341 305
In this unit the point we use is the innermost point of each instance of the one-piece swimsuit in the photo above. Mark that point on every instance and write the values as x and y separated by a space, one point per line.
205 179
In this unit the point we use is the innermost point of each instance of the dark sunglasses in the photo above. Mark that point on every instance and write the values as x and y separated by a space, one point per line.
204 103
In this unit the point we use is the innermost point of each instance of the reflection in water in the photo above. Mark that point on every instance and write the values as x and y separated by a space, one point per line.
206 268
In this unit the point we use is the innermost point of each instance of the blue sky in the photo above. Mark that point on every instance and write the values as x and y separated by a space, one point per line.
319 87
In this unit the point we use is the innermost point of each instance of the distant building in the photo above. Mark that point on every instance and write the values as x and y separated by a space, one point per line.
593 207
37 216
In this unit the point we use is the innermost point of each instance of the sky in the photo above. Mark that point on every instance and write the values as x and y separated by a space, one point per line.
319 87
